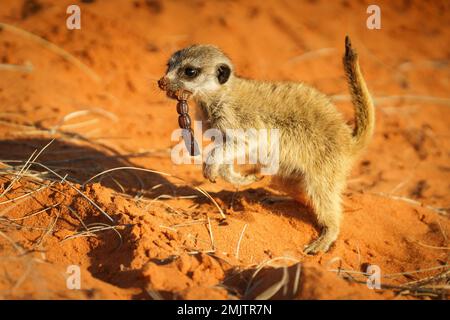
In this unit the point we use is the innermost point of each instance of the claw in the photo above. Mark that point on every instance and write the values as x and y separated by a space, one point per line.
322 244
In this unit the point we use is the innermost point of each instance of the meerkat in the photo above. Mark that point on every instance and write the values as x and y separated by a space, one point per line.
317 147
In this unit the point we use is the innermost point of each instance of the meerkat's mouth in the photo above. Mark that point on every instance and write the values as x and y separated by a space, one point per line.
163 84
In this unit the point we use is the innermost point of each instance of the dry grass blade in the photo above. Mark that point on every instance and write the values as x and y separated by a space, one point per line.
26 167
81 124
195 252
312 54
18 175
213 247
48 231
431 247
261 266
32 214
186 224
415 98
421 287
206 194
155 295
17 226
27 194
272 290
11 241
414 202
387 276
126 168
25 68
78 217
297 279
94 228
168 228
52 47
415 288
393 275
15 125
63 179
3 212
168 196
84 112
240 240
421 282
166 205
406 98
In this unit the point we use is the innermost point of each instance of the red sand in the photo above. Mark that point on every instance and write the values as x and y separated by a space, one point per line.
127 43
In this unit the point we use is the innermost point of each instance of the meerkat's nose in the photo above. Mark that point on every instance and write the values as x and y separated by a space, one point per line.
163 82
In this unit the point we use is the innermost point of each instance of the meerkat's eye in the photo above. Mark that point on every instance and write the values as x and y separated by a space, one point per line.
191 72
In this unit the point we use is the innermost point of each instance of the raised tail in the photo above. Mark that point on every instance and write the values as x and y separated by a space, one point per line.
361 99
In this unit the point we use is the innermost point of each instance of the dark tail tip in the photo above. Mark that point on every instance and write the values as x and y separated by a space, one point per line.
350 55
348 44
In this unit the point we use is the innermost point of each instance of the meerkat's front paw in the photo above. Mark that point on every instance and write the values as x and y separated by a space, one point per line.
211 172
252 178
228 174
243 180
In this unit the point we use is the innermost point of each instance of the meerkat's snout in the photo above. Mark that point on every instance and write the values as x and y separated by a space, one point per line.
166 85
162 83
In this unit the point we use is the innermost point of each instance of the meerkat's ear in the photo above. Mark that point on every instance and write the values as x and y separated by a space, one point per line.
223 73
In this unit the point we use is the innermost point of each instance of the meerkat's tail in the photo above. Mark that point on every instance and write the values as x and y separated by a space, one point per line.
361 99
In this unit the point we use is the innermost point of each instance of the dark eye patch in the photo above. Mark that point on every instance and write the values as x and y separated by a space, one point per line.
174 60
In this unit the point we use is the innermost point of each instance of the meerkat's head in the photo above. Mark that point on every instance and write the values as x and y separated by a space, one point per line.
200 69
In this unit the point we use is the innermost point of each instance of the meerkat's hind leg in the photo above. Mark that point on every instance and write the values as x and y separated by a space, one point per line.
329 220
325 200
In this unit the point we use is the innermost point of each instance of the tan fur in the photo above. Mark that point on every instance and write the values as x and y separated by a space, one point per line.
317 148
